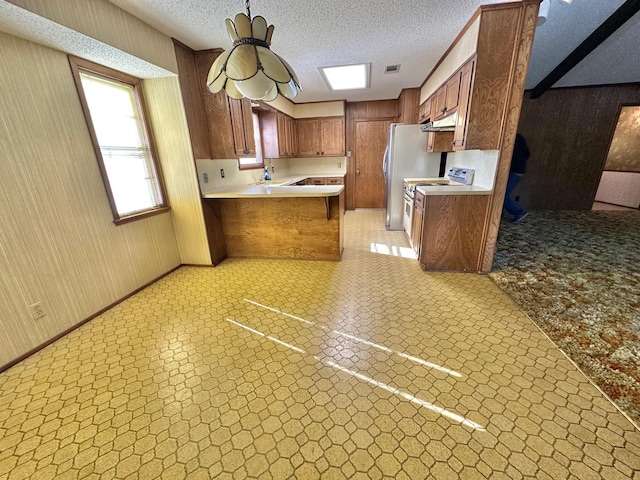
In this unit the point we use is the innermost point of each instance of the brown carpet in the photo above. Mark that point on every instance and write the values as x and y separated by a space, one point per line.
577 275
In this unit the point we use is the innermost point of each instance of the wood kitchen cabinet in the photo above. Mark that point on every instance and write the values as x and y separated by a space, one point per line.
447 96
452 232
244 144
424 113
316 181
417 222
321 137
440 141
192 99
278 134
466 81
324 181
228 131
287 135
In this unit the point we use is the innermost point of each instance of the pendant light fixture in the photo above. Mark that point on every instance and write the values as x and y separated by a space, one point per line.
250 69
543 12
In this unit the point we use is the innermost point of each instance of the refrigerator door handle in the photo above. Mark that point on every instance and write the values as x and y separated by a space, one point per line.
385 162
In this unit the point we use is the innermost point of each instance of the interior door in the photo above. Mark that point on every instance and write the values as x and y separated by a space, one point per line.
370 142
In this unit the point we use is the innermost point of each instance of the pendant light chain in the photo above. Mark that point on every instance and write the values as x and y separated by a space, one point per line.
248 7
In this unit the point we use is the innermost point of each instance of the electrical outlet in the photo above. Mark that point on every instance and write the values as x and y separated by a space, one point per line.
339 165
205 177
222 173
37 311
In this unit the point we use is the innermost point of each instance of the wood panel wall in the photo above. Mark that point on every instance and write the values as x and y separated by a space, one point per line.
375 110
408 105
568 131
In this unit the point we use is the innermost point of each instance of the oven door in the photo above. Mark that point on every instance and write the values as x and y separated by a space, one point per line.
407 216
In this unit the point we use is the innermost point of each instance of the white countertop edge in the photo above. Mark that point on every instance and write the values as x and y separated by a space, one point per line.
279 191
454 190
275 182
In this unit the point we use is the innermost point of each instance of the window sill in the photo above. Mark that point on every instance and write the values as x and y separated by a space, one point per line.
253 166
141 215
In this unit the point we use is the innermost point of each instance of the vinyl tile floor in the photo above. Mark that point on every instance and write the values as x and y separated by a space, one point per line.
364 368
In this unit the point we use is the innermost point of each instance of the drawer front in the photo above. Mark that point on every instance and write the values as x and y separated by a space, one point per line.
335 181
316 181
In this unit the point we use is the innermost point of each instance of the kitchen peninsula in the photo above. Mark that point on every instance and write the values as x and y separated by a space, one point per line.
277 220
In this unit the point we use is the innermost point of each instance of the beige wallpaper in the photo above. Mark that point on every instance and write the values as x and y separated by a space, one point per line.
319 109
624 153
174 149
466 46
58 243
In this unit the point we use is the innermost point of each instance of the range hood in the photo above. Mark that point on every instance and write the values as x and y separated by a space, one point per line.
446 124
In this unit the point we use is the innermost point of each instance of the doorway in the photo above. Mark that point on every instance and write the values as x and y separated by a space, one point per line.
370 142
619 187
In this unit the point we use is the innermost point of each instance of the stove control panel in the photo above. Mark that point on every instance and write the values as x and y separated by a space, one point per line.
461 175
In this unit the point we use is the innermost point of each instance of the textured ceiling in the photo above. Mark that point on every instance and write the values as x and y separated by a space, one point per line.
386 32
312 34
336 32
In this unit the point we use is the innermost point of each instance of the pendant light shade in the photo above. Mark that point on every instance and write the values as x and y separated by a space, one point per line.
250 69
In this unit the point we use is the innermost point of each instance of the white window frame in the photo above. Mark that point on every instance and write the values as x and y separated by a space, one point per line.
79 65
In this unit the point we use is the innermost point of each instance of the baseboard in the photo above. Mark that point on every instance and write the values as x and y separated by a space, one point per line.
82 322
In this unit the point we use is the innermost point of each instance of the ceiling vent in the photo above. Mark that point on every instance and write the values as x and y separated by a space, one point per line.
392 68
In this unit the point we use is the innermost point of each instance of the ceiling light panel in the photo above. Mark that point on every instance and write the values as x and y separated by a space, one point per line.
346 77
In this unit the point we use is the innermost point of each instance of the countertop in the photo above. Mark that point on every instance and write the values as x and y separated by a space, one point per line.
452 188
279 187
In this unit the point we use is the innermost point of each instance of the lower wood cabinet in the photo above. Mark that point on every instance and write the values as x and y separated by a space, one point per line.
417 223
452 232
316 181
324 181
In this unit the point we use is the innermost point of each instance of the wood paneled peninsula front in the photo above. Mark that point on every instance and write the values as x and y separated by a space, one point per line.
277 221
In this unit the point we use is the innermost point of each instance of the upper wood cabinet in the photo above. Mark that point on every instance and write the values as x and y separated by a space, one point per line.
219 126
278 134
447 96
466 80
424 113
321 136
192 99
244 144
287 140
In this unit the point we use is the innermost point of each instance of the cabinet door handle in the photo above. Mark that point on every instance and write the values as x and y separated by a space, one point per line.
358 172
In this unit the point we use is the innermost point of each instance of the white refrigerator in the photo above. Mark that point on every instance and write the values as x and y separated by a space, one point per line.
405 156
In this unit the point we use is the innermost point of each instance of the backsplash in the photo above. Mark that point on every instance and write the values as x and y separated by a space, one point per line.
321 165
484 162
282 167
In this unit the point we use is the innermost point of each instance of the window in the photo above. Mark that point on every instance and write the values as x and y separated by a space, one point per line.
113 106
245 163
